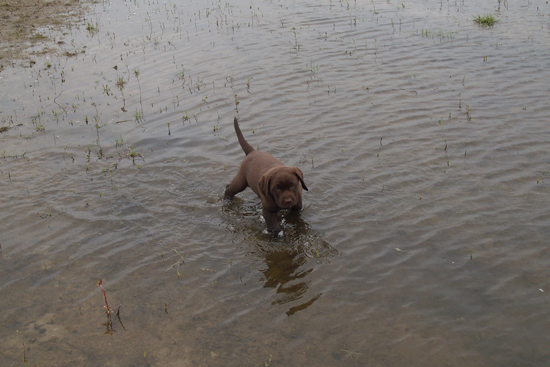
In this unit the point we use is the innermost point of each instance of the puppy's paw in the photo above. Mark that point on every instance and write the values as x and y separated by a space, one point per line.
279 234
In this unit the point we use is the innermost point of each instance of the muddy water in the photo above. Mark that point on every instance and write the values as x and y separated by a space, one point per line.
423 138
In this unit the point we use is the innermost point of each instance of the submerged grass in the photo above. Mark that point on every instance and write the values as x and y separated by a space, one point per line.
92 28
437 33
486 20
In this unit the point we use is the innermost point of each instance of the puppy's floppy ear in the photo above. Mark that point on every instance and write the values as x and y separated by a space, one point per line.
264 186
298 172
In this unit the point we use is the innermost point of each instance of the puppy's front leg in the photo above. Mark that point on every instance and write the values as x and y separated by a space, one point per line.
271 221
298 206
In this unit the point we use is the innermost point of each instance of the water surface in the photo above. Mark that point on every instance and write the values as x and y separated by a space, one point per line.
423 138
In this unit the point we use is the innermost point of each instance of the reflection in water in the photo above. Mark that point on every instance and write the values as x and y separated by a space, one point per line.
283 267
288 260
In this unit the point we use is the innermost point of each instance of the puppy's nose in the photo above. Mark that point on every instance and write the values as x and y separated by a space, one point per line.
288 202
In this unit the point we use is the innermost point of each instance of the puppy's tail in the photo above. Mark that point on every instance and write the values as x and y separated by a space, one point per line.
244 144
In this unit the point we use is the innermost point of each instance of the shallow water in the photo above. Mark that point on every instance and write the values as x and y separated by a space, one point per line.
423 138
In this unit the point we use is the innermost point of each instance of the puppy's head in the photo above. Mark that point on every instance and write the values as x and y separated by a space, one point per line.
283 185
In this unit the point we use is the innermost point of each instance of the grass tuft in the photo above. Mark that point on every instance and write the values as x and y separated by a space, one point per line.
487 20
92 28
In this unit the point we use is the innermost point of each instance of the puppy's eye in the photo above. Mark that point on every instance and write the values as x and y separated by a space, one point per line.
293 186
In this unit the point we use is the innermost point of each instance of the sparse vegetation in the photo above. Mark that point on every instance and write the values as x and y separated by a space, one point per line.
138 116
487 20
38 37
92 28
437 33
119 142
131 154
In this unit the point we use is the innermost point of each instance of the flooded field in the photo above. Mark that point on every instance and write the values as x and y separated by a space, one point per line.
423 138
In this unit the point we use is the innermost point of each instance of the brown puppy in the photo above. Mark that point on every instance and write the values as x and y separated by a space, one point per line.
278 186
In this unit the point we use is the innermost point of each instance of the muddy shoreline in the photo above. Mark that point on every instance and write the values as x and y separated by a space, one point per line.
32 27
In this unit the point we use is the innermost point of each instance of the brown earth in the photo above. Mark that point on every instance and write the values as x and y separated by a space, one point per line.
27 23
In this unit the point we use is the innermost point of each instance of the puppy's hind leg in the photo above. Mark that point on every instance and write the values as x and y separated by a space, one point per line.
237 185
